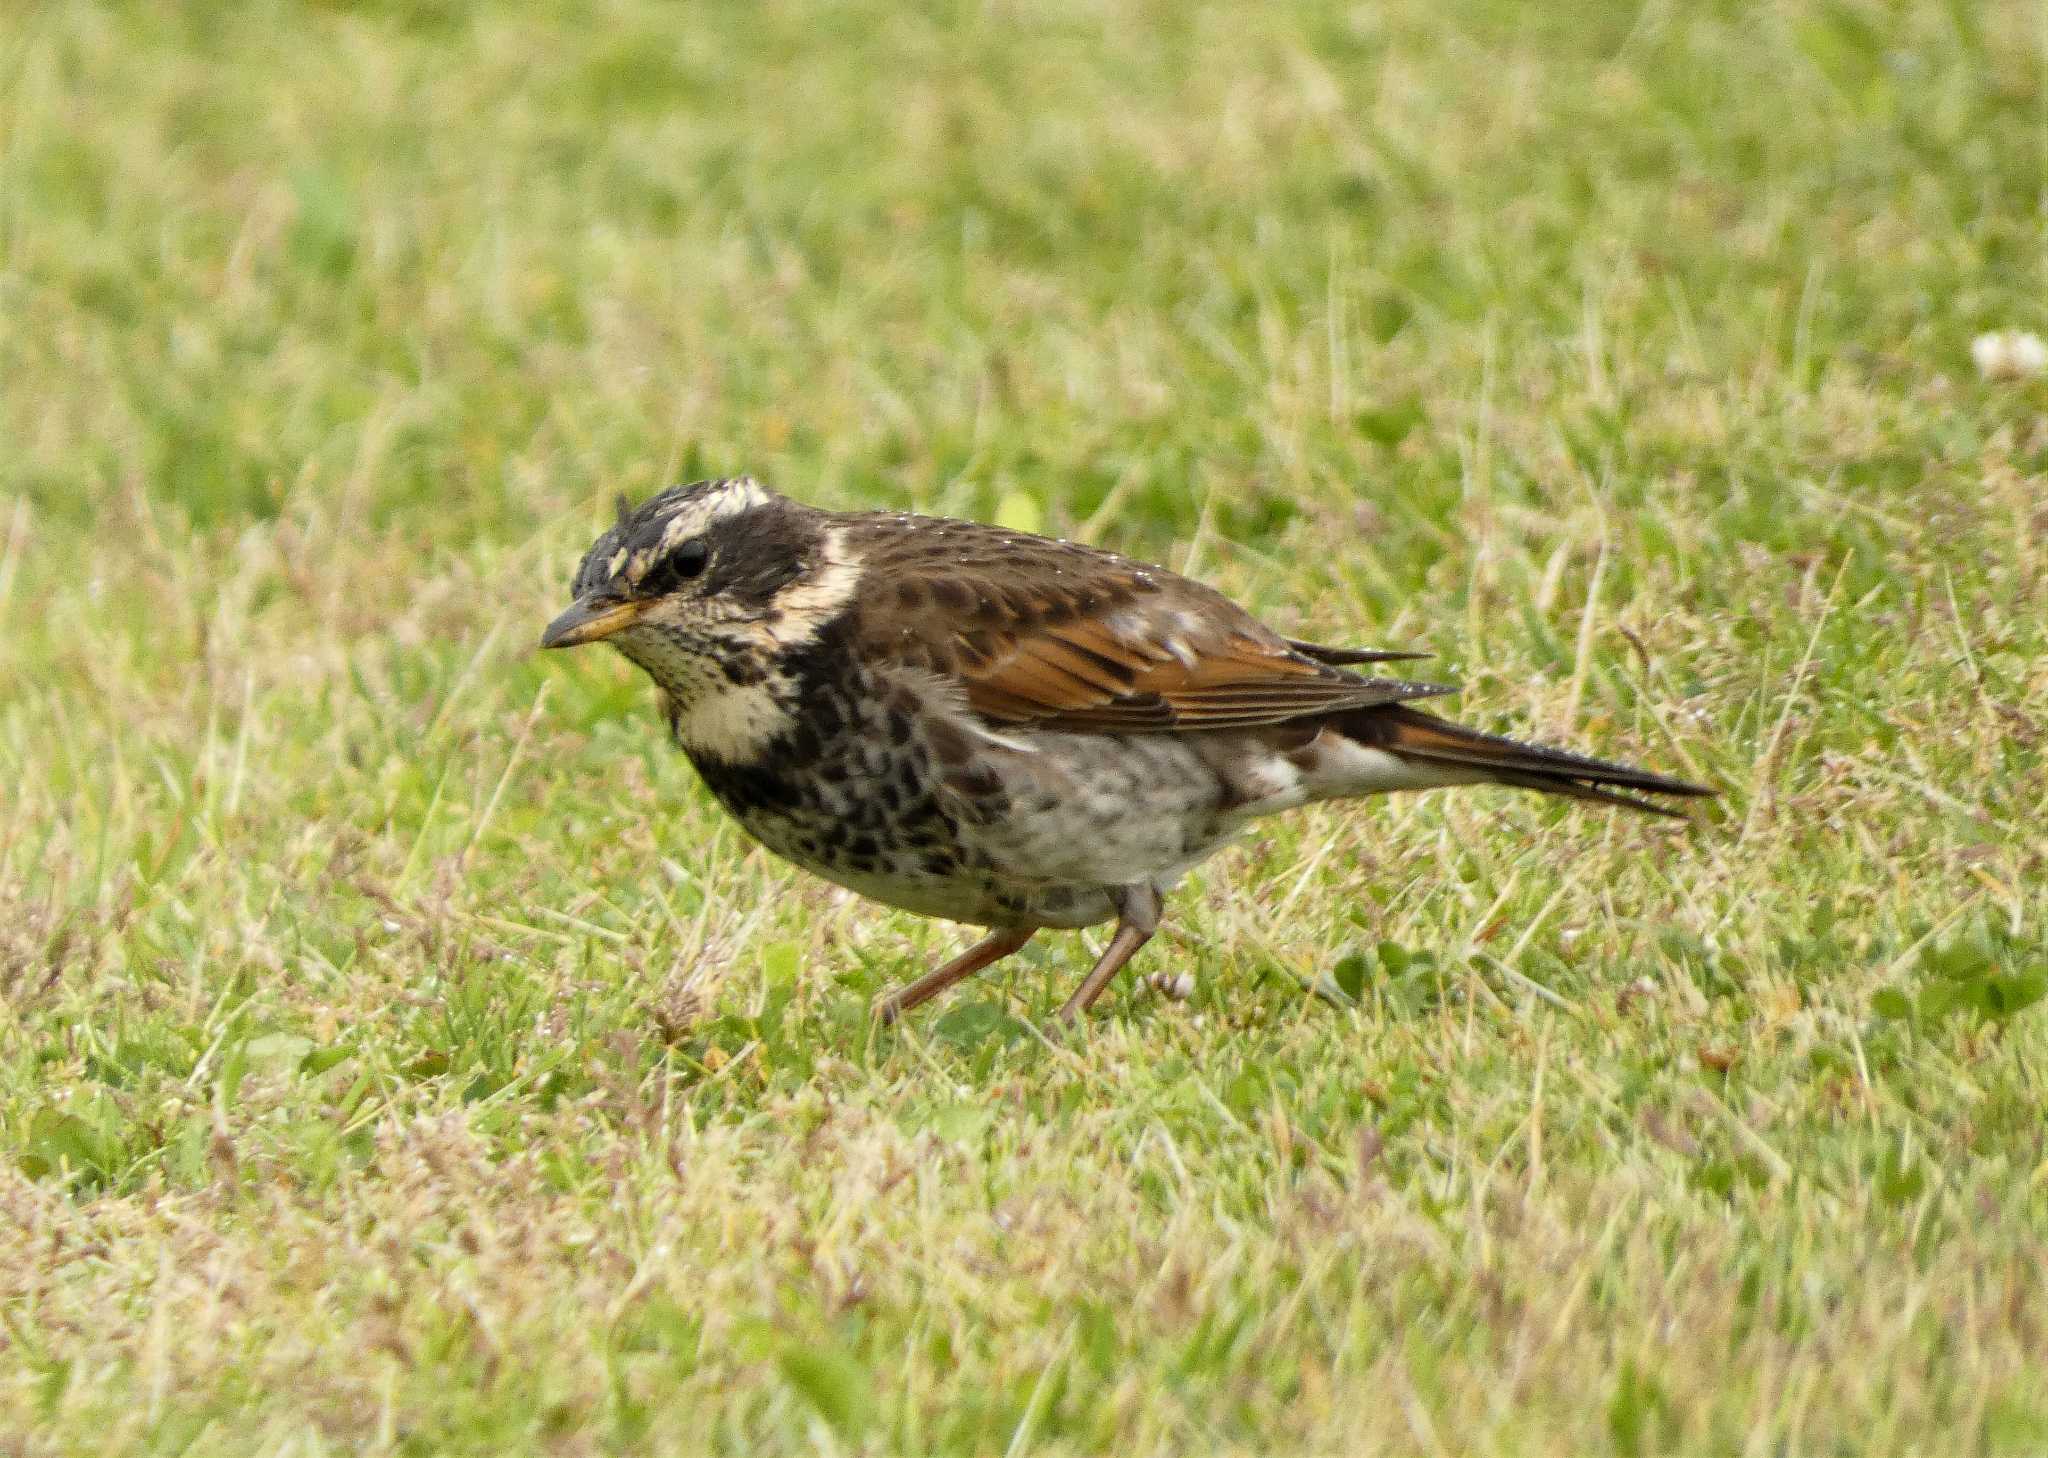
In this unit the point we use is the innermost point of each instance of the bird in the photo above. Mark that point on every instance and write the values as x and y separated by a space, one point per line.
999 728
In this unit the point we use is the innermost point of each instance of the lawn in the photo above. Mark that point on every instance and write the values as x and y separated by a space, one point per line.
399 1052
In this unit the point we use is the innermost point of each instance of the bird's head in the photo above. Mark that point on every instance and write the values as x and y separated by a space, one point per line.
703 584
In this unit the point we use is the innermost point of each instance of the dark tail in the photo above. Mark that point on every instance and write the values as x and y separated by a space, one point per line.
1425 739
1350 657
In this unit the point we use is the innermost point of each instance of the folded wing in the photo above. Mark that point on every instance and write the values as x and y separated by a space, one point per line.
1070 638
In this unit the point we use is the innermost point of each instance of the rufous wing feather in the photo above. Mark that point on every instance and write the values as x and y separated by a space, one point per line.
1070 638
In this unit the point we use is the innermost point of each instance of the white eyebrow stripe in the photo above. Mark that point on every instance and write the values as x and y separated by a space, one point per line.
694 517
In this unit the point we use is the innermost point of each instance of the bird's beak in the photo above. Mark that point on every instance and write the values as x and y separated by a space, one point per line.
588 620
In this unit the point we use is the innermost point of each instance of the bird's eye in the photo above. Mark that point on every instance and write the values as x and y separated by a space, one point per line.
686 561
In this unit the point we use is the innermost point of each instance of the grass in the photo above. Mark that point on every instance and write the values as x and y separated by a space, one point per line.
398 1053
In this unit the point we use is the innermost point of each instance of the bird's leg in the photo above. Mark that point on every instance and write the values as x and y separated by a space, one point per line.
997 945
1137 918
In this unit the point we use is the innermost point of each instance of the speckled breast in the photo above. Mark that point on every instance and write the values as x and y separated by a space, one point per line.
851 792
886 788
